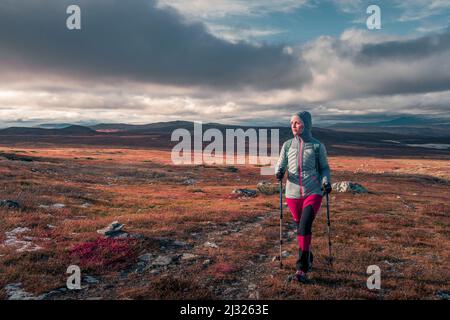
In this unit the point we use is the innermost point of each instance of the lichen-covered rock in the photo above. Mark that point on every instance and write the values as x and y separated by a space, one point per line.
348 186
10 204
114 230
268 188
245 193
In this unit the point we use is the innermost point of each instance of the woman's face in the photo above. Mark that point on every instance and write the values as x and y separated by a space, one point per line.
296 125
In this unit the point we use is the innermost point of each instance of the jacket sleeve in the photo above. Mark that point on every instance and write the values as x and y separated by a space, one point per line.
324 167
282 160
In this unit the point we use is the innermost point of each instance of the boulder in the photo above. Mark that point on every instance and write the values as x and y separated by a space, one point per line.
348 186
146 257
231 169
247 193
209 244
90 279
14 291
188 256
268 188
114 230
53 206
189 181
10 204
162 261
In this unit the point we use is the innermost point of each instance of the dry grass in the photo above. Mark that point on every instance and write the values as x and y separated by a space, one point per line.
401 226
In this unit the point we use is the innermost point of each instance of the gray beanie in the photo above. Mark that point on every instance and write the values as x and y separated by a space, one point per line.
306 118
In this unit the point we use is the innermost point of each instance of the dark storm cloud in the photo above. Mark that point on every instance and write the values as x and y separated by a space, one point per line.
137 41
407 49
367 67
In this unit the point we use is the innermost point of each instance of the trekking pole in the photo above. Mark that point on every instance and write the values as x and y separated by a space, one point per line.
281 221
330 257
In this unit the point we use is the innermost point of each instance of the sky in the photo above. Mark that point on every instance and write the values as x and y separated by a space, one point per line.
228 61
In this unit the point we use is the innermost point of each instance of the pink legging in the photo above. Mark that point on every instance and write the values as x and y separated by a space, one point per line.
303 212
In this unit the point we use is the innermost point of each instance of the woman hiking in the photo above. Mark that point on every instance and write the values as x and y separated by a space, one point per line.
305 160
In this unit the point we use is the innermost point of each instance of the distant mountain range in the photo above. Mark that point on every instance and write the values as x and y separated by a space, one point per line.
399 121
405 125
61 131
384 135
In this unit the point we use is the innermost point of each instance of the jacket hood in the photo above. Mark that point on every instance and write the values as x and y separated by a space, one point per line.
306 118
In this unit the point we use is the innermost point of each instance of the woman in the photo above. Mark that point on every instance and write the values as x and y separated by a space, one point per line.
305 159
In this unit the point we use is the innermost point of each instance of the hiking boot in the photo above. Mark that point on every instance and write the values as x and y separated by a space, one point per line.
301 276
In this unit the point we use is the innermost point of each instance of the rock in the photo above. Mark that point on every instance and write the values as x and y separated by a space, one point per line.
206 262
17 231
172 244
162 261
147 257
53 206
252 287
253 293
120 235
9 204
24 245
444 295
388 263
15 292
231 169
90 280
86 205
209 244
188 256
114 230
177 243
141 267
247 193
268 188
348 186
189 181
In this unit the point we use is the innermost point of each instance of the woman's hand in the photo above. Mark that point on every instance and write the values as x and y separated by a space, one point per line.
327 187
280 174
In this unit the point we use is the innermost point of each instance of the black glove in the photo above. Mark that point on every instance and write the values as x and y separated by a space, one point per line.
280 175
327 187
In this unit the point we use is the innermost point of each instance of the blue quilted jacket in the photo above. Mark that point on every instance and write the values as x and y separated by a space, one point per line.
300 161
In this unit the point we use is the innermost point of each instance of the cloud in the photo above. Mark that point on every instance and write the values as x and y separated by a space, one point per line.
139 63
236 34
402 50
350 6
201 9
353 67
136 41
414 10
